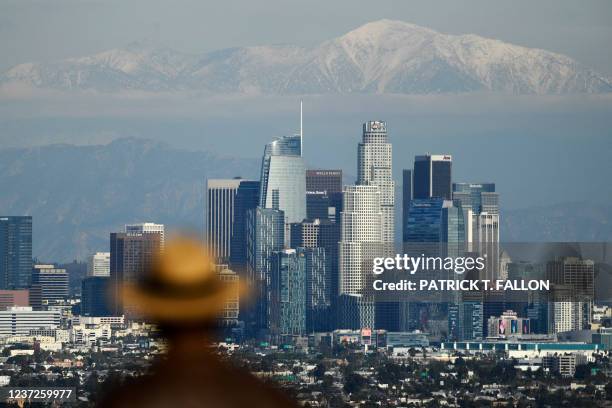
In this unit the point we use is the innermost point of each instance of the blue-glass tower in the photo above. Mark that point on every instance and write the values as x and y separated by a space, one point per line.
15 251
265 236
283 178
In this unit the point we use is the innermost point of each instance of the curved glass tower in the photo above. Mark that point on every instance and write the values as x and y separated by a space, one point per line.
283 178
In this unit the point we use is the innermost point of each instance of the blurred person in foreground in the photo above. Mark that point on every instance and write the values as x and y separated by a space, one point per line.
183 296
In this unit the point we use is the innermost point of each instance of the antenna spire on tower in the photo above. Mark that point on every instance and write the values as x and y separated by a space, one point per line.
301 131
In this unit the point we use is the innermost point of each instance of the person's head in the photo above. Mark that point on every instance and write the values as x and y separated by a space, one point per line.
182 291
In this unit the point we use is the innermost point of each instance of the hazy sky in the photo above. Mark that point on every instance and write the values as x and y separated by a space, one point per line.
521 142
35 30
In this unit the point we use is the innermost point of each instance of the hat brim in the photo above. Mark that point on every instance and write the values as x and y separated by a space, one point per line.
163 309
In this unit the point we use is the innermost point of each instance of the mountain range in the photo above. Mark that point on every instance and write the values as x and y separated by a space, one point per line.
383 56
77 195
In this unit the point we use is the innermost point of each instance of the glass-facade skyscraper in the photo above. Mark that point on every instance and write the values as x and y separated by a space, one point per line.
480 204
49 286
220 206
283 178
436 226
324 194
288 293
15 251
300 299
265 235
95 296
318 289
432 176
226 203
247 198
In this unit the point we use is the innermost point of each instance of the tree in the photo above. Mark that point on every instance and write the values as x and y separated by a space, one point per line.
353 383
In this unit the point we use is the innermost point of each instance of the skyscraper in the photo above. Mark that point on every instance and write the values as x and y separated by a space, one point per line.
406 196
432 176
318 290
374 168
265 235
283 178
329 181
95 296
228 317
99 264
573 292
49 286
306 234
288 293
132 255
322 236
247 198
361 241
15 251
220 214
147 228
435 227
324 194
480 204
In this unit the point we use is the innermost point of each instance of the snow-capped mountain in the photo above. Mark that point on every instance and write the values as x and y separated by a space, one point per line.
380 57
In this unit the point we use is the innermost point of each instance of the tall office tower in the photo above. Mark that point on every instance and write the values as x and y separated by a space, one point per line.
329 239
15 252
469 311
480 205
435 227
432 176
95 296
19 320
265 235
49 286
374 168
318 290
220 208
577 272
10 298
99 264
324 194
323 234
406 197
319 206
481 197
361 241
288 294
283 179
329 181
148 228
305 234
573 291
132 255
247 198
228 317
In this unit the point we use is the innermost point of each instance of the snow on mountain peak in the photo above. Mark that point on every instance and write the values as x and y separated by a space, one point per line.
384 56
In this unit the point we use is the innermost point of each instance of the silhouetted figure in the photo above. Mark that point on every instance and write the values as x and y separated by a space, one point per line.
183 295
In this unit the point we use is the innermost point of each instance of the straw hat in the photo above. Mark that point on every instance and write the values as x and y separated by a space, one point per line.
182 285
